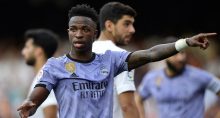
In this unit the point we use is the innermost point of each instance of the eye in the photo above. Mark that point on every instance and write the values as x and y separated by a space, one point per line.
86 29
126 24
73 29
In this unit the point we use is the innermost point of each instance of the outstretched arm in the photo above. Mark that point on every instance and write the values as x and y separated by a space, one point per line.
29 107
160 52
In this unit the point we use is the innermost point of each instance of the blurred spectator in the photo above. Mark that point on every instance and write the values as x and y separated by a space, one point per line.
5 107
14 77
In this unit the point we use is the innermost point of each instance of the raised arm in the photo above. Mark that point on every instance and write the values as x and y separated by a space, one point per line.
30 105
160 52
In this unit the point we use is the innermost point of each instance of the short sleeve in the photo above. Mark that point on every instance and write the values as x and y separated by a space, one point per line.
144 87
124 82
214 84
119 60
46 77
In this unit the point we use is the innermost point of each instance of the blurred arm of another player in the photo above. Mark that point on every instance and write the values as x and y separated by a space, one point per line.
49 106
30 105
160 52
214 85
140 105
50 111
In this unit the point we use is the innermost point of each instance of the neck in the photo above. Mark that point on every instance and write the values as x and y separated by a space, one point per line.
105 35
39 64
169 72
83 56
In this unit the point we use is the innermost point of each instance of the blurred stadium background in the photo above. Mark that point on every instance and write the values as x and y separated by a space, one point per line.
156 21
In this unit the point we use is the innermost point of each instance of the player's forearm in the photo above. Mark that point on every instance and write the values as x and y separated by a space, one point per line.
130 111
131 114
128 106
30 105
155 53
140 106
38 95
160 52
141 110
50 111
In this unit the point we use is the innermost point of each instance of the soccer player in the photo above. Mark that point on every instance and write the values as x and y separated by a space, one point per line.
116 24
82 80
178 88
40 45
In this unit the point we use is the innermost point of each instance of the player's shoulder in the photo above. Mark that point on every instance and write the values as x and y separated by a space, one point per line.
106 54
195 72
112 56
101 46
155 71
55 61
116 48
152 74
112 53
194 69
150 77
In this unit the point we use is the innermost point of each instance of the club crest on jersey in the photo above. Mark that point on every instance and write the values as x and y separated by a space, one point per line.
130 76
104 71
39 75
70 67
158 81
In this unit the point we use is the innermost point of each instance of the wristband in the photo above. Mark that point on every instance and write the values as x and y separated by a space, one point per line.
181 44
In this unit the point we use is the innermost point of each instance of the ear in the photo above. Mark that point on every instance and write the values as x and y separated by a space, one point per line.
95 35
68 30
39 51
109 25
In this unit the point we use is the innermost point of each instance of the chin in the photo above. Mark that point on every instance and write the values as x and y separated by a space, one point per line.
121 44
180 70
81 50
30 63
126 43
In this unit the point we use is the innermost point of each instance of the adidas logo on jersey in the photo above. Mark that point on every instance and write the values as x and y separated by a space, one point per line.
74 75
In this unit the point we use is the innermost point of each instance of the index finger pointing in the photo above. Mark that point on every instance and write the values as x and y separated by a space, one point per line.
19 108
209 34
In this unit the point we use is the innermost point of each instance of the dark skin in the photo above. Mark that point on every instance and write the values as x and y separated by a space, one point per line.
163 51
82 32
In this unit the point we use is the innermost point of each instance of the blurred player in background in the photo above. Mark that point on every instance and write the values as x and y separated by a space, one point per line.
40 45
116 24
178 88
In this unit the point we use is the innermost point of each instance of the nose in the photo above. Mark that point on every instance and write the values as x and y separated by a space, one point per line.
132 29
79 34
